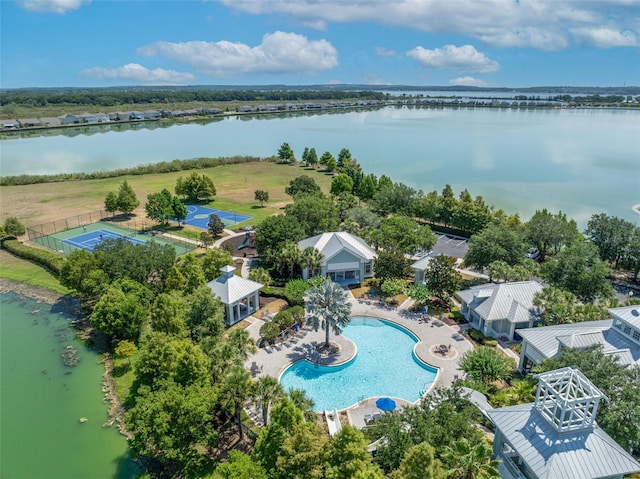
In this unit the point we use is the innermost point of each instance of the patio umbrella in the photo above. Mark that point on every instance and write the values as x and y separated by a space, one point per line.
386 404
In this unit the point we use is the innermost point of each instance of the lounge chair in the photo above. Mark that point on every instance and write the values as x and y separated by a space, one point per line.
368 418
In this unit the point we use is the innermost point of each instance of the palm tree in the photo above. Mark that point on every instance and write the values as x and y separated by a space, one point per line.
311 259
467 461
266 390
289 257
303 402
236 387
242 342
329 308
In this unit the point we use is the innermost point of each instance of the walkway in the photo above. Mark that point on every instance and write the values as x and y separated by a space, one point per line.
434 335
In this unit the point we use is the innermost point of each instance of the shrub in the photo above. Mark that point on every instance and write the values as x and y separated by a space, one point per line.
477 336
294 291
269 331
283 319
47 259
297 313
491 343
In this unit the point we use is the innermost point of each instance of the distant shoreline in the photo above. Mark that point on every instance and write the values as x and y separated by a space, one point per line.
636 208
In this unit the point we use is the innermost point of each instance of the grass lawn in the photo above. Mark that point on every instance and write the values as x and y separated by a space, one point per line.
18 269
235 185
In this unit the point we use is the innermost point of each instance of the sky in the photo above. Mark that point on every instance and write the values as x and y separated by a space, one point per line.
490 43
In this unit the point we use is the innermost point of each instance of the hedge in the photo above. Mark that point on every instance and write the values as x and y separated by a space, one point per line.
47 259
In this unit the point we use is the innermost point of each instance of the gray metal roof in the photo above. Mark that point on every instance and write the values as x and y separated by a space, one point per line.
330 244
512 301
549 454
547 339
231 288
629 314
422 263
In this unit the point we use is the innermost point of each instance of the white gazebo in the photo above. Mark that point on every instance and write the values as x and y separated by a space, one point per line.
239 295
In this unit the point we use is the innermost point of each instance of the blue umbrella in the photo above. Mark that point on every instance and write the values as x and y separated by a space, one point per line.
386 404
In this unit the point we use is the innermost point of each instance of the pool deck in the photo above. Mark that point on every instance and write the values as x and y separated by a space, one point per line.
435 338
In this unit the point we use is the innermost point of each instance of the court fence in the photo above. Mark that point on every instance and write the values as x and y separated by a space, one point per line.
43 234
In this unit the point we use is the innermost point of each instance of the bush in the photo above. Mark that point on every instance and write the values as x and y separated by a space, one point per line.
294 291
297 313
47 259
283 319
477 336
269 331
491 343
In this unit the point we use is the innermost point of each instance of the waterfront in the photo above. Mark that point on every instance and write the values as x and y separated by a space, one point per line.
43 400
579 161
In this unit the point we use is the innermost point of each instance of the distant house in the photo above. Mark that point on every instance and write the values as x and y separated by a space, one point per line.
419 267
70 119
618 337
240 296
51 121
499 309
151 114
345 258
30 122
9 124
94 118
557 437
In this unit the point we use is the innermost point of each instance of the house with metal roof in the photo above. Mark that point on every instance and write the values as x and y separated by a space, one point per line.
240 296
346 258
618 337
498 309
557 437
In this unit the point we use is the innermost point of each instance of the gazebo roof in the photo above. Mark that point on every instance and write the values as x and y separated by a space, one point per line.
231 288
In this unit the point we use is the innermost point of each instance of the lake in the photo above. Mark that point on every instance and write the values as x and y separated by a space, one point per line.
580 161
43 401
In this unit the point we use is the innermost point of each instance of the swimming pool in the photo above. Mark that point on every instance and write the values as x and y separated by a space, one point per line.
385 365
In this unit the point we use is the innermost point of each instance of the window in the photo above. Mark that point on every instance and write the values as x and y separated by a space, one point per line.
617 324
367 268
636 335
627 330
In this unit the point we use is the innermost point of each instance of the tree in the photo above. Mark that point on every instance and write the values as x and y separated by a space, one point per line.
362 219
195 187
402 234
289 256
316 213
367 187
270 331
486 365
125 350
172 425
302 185
303 403
447 205
441 277
213 260
611 235
167 314
162 207
391 265
266 390
242 342
419 293
326 158
283 319
341 184
234 390
343 156
393 287
396 198
311 259
127 199
260 275
329 308
301 453
550 232
111 202
578 269
295 290
285 153
501 271
215 225
470 461
273 233
631 256
239 466
13 227
419 462
497 242
262 196
204 317
312 158
347 455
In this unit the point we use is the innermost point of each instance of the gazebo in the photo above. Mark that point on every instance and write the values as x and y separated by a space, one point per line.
239 295
557 437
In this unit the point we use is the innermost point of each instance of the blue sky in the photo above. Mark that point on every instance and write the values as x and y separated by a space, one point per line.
504 43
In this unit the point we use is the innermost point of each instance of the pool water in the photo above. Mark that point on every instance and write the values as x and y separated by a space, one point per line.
384 365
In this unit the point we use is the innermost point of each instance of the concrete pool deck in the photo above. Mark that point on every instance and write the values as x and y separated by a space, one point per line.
440 346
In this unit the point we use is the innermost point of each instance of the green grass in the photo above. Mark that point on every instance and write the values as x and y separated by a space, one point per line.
18 269
123 376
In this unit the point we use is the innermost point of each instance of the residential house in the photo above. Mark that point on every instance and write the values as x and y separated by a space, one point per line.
70 119
557 437
240 296
345 258
30 122
618 337
51 121
9 124
498 309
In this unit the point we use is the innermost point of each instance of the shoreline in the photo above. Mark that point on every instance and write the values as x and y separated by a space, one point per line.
80 322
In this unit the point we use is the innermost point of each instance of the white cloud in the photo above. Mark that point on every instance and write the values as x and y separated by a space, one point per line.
52 6
384 52
545 25
139 74
279 53
465 58
606 37
467 81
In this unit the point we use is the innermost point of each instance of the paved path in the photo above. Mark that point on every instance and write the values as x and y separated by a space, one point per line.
432 334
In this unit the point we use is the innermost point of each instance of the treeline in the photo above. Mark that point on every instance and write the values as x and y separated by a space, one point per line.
162 167
113 98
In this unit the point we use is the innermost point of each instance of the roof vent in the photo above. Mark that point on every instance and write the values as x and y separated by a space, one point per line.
635 312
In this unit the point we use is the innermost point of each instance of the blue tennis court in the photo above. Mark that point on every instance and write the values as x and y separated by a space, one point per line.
198 216
91 239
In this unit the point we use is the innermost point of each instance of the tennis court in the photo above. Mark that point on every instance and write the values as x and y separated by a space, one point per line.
89 236
198 216
92 239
